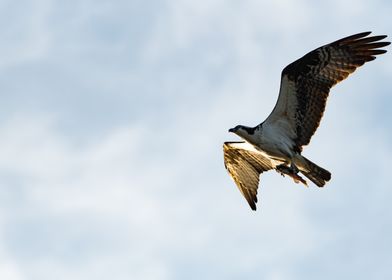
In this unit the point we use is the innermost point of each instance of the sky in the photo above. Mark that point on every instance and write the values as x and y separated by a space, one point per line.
112 119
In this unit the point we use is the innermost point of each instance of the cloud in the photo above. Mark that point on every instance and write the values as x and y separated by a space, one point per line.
74 195
112 166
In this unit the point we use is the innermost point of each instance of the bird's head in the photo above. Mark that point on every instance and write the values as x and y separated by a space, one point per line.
242 131
235 129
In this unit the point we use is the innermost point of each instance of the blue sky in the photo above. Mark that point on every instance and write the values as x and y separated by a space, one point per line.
113 115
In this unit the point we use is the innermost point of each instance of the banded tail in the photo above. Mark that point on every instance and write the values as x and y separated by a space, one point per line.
315 173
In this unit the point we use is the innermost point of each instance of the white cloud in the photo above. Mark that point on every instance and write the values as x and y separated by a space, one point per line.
9 270
145 195
106 191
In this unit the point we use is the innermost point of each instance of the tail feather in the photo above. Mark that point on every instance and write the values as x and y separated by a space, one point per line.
315 173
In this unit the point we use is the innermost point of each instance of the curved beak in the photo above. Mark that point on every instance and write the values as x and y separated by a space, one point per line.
231 130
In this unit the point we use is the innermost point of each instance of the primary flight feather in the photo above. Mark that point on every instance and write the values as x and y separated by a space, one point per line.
277 142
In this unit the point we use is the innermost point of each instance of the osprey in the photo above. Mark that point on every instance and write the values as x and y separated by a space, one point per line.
277 142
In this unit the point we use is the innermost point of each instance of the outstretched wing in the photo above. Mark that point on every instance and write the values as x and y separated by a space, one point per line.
305 83
245 164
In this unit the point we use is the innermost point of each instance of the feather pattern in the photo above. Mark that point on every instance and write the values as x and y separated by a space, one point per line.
309 79
245 164
277 142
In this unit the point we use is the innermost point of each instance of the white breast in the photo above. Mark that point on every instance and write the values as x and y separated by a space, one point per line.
275 139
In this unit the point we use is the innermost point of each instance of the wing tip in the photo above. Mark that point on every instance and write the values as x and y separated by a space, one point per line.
381 37
251 198
386 43
362 36
252 203
354 37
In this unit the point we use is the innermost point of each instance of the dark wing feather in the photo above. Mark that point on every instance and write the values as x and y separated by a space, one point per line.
245 165
307 81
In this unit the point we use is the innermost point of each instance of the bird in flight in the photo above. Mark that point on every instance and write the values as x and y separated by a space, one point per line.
277 142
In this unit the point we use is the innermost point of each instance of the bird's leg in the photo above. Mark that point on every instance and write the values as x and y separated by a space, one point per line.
291 171
295 176
294 168
298 179
283 170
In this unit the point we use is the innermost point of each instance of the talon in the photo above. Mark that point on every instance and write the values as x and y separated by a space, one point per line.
298 179
292 172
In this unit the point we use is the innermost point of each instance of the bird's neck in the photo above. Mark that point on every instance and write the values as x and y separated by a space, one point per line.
249 130
250 134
